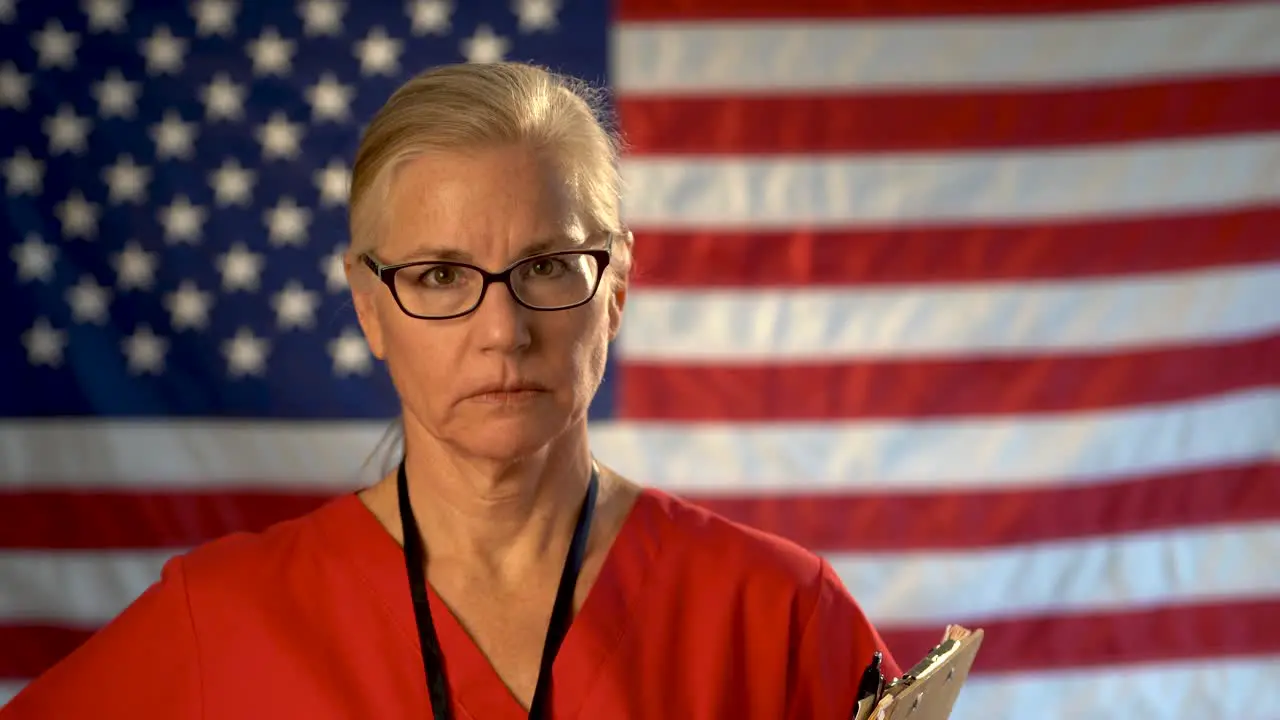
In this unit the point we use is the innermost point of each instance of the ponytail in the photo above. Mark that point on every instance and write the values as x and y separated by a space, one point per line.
389 449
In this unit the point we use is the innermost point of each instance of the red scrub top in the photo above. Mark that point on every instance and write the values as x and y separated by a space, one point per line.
691 616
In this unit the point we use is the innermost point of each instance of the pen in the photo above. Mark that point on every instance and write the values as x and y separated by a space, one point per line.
872 683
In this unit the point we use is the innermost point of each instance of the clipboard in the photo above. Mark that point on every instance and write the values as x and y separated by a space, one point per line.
927 691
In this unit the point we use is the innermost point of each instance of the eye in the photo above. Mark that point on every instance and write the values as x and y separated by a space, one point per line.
545 267
439 275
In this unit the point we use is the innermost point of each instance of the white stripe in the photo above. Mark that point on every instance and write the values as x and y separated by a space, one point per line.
689 58
1236 688
79 589
919 189
8 689
950 320
1096 574
178 454
919 588
970 453
965 454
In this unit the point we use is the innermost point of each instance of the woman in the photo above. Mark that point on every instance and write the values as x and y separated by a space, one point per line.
488 267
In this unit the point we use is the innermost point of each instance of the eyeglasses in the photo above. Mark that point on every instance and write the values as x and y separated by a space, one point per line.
439 290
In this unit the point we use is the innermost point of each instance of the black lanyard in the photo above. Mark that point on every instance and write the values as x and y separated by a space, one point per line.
432 658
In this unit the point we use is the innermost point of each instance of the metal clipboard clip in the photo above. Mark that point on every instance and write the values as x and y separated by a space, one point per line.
925 667
935 676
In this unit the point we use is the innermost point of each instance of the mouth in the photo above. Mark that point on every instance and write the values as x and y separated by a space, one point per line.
508 393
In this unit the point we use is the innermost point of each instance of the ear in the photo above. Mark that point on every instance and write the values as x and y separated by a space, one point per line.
617 301
618 294
363 286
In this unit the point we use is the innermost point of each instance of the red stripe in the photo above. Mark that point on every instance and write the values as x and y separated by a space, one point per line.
894 521
1064 249
1061 642
949 121
26 651
653 10
935 388
99 520
1239 628
830 522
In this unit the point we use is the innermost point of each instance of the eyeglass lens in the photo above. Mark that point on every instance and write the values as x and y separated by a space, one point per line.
547 283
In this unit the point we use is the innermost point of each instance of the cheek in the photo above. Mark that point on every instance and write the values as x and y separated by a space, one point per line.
416 356
594 372
591 349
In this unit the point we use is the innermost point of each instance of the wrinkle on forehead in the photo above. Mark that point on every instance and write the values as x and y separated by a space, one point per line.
499 201
446 252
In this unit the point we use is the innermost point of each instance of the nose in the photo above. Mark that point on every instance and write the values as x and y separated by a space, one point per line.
502 324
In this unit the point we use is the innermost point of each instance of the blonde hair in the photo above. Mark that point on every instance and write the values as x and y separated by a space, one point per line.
470 106
474 106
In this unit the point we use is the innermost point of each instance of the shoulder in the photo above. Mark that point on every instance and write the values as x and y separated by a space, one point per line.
728 558
259 551
719 562
246 566
155 656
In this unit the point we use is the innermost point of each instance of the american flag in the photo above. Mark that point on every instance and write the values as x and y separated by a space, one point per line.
980 299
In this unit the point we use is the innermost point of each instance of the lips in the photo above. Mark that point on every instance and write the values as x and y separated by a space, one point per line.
508 391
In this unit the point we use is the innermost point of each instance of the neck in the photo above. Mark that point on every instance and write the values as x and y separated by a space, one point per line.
500 515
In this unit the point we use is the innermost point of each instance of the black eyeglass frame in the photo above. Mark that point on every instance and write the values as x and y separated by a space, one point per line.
387 274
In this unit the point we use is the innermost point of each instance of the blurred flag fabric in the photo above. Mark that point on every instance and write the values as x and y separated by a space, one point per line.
981 300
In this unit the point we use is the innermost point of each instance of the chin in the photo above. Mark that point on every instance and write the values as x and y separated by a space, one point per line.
503 433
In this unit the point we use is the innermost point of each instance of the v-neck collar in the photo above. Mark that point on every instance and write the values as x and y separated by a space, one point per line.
594 633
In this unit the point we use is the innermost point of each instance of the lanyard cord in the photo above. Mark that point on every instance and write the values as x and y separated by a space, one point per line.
433 658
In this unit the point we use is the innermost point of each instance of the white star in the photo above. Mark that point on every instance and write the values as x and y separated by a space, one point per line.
223 99
484 46
173 137
67 132
55 46
79 217
34 259
188 306
272 54
105 15
279 137
15 88
246 353
334 183
135 267
164 52
295 306
126 181
536 14
330 99
145 351
24 174
430 16
215 17
45 343
287 223
89 301
116 96
378 53
335 272
350 354
8 11
240 268
232 184
321 17
182 221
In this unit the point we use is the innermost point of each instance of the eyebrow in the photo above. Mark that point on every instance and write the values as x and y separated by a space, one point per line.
453 254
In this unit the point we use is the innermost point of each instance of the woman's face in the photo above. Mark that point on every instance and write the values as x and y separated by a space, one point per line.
488 208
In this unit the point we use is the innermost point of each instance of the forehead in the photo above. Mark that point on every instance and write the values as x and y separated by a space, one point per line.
482 202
